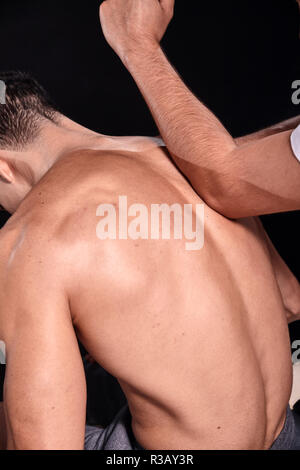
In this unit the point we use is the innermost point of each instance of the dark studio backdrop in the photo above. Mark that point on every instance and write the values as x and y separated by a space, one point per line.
240 57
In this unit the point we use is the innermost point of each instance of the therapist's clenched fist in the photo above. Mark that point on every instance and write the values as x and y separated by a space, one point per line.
133 25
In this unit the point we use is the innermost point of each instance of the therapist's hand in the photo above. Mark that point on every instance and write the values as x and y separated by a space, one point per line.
135 25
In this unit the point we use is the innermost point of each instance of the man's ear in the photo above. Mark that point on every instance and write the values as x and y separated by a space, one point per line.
6 173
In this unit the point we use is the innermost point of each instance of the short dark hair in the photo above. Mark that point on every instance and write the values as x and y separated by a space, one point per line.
26 104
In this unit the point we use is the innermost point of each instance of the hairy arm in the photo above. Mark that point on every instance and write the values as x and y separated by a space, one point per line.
45 396
256 177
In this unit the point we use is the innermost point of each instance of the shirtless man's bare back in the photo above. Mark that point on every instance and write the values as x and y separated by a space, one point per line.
197 339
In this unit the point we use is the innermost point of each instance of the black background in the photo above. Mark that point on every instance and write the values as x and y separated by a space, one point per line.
240 57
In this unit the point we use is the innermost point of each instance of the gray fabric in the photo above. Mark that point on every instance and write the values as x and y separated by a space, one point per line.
117 436
289 438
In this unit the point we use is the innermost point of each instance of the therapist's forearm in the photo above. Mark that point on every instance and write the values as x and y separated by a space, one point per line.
237 180
191 132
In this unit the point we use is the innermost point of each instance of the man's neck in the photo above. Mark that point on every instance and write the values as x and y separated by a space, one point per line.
53 143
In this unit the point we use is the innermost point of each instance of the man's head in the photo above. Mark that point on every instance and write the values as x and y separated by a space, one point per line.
27 107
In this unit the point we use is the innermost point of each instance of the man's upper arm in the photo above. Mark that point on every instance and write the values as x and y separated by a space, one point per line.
45 395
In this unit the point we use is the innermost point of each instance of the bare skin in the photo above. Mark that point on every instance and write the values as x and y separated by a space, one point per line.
198 340
206 368
236 179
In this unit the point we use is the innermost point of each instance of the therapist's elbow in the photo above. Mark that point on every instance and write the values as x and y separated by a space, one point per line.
226 203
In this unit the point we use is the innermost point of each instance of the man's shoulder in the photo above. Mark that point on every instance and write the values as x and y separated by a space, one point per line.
62 242
30 246
19 240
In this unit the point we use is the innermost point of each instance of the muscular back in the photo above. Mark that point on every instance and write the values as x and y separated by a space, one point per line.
197 339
